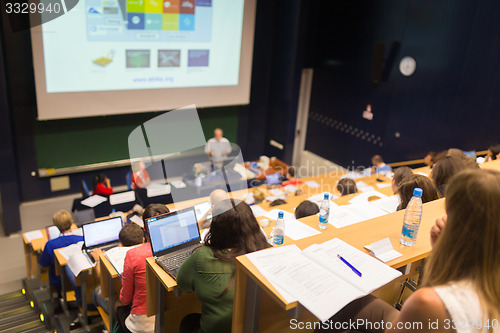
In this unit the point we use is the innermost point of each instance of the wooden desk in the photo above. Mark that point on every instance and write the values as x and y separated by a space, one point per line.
256 301
165 300
111 283
84 280
32 252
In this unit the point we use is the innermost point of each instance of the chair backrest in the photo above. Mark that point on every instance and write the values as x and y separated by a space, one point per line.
128 179
85 189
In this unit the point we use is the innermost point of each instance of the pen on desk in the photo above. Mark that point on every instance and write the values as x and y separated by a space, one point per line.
358 273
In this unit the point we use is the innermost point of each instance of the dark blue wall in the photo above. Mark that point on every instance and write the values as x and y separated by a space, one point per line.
450 101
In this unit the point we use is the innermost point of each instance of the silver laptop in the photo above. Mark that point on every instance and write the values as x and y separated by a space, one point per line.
101 234
201 209
173 237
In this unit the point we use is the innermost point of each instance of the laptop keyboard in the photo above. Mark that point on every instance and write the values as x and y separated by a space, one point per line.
172 263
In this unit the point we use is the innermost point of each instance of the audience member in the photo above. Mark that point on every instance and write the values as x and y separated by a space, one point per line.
102 185
277 202
430 158
493 152
209 271
306 208
447 167
215 197
290 176
140 176
406 187
379 165
347 186
131 308
459 282
399 175
63 221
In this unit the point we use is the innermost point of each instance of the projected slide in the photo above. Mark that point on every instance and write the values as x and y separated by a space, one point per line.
104 45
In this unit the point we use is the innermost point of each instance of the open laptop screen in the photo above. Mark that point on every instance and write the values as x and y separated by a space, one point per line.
201 209
101 232
170 230
273 179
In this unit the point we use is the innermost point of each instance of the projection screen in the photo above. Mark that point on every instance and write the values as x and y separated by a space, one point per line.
107 57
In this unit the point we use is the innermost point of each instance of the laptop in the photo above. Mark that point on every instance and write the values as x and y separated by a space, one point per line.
201 209
101 234
173 238
83 216
273 179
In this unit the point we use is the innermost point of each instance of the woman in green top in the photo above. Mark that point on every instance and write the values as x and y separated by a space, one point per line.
209 271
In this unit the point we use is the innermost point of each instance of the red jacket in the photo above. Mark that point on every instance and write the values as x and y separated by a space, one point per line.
102 189
134 279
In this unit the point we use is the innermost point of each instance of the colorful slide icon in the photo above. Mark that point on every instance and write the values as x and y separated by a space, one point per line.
138 58
198 58
169 58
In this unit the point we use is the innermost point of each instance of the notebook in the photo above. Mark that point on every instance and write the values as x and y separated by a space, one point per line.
173 238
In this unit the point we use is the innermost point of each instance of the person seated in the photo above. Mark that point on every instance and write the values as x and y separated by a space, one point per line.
430 158
102 185
130 235
455 152
399 176
209 271
379 166
290 176
458 282
131 308
447 167
406 187
306 208
277 202
140 176
63 221
215 197
258 195
493 152
347 186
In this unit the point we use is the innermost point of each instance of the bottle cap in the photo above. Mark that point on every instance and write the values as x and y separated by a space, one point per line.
326 196
280 215
417 192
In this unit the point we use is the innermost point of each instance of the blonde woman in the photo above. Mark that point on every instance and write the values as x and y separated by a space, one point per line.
461 281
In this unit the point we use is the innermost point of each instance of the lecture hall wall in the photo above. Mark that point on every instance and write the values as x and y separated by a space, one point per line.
451 100
279 37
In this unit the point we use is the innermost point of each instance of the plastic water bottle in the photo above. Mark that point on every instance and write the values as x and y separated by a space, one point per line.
279 230
324 212
413 216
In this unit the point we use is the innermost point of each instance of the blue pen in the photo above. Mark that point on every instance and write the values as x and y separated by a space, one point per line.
358 273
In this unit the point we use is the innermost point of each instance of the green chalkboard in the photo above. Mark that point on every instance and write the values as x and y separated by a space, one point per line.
75 142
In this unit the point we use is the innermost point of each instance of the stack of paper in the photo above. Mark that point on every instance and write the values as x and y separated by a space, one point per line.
137 220
290 188
320 281
312 184
178 184
383 250
369 196
364 187
296 230
318 198
68 251
343 216
258 211
155 190
273 214
388 204
276 192
119 198
93 201
78 262
77 232
383 185
116 257
35 234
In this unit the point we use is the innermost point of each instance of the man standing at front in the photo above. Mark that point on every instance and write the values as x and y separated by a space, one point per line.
217 147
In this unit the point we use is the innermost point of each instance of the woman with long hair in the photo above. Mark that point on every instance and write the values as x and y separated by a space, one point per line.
460 286
209 271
